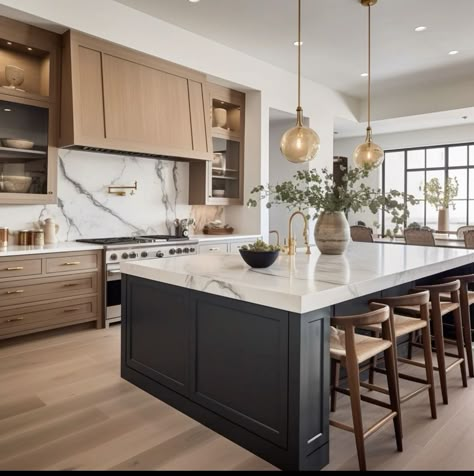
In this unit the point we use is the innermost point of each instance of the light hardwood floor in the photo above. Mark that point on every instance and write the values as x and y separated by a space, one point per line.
63 406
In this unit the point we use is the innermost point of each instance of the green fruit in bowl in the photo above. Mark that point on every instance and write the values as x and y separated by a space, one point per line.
260 246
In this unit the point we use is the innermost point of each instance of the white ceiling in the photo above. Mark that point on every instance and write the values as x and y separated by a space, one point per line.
344 128
334 35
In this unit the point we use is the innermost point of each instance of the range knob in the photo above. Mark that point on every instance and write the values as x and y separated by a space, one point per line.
179 251
113 257
124 255
192 250
160 254
172 251
133 255
144 254
186 250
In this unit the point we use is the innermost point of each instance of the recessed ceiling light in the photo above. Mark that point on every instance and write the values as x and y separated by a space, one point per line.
30 49
194 1
364 75
420 28
7 110
453 52
298 43
9 43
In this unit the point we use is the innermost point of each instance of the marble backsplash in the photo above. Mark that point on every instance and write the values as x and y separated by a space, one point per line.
85 209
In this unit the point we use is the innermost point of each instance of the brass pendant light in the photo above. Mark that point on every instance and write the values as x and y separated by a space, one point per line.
299 144
368 154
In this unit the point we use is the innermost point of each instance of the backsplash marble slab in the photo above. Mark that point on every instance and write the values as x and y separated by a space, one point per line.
85 209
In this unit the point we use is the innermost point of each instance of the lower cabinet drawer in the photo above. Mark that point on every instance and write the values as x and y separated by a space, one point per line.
25 267
46 316
42 289
72 263
213 248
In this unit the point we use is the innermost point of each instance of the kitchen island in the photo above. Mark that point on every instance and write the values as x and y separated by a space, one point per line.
246 351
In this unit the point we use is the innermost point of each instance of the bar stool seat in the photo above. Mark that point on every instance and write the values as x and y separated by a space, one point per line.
446 308
403 325
365 346
447 297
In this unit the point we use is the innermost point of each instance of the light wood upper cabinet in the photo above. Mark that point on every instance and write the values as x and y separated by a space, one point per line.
119 99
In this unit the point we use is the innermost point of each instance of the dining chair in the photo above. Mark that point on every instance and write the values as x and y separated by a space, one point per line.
461 230
469 239
362 234
419 237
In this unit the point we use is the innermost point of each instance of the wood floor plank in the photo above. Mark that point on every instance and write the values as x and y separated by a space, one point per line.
19 405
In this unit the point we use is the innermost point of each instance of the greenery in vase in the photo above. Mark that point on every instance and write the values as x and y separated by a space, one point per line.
314 193
260 246
439 198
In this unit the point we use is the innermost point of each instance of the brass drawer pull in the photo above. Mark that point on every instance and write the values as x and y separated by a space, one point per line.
214 249
16 319
18 291
70 285
16 268
72 263
74 309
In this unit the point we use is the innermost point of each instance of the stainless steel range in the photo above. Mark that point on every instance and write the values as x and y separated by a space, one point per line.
117 250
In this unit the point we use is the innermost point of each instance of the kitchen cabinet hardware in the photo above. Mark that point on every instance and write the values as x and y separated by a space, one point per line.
17 291
73 309
70 285
15 268
72 263
15 319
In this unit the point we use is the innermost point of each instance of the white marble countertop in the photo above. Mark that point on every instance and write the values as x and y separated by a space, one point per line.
304 283
69 246
205 238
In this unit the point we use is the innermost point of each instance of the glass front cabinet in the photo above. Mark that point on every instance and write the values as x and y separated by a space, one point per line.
29 81
220 182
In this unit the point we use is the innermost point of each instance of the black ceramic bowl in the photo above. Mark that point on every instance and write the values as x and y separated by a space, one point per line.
259 259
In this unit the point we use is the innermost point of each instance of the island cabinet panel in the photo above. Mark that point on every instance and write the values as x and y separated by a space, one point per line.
159 333
241 364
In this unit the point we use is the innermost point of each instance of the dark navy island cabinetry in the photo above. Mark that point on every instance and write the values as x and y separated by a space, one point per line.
257 375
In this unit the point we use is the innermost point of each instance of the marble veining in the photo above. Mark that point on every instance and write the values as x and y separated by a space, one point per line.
304 283
86 210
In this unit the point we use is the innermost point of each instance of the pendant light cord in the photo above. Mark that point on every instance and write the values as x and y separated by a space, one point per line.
370 69
299 54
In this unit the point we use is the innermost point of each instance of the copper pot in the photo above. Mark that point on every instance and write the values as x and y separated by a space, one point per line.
3 236
23 237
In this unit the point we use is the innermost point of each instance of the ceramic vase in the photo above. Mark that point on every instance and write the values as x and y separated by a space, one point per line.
443 219
220 117
332 233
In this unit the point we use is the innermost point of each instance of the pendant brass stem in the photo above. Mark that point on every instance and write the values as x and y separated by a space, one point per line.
299 56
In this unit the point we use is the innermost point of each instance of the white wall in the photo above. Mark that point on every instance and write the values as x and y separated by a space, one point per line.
272 86
408 139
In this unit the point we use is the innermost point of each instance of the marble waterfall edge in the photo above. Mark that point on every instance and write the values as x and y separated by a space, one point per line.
86 210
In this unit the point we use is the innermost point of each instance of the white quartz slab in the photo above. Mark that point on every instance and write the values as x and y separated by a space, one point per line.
213 238
304 283
66 247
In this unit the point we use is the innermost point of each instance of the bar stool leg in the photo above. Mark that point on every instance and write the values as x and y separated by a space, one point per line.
392 380
439 343
352 368
460 345
466 325
425 332
335 368
410 346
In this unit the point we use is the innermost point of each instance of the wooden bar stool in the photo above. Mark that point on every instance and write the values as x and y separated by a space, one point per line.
466 301
438 309
404 325
351 349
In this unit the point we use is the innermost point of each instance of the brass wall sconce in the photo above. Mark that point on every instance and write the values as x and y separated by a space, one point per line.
120 189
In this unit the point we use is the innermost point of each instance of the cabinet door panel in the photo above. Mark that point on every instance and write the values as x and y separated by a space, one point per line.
144 105
90 101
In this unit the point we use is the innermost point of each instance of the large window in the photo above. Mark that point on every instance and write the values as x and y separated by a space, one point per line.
408 170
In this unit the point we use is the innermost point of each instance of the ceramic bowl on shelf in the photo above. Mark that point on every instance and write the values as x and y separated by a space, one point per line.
218 193
14 183
18 143
259 259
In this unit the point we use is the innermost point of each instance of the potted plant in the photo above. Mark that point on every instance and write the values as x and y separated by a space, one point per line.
259 254
442 199
317 194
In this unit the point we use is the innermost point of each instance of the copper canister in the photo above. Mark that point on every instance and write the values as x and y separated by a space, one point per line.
23 237
3 236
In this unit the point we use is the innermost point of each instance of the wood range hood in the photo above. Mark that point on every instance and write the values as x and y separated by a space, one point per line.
120 101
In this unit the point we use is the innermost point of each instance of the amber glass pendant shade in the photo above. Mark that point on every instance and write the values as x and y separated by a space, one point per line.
299 144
